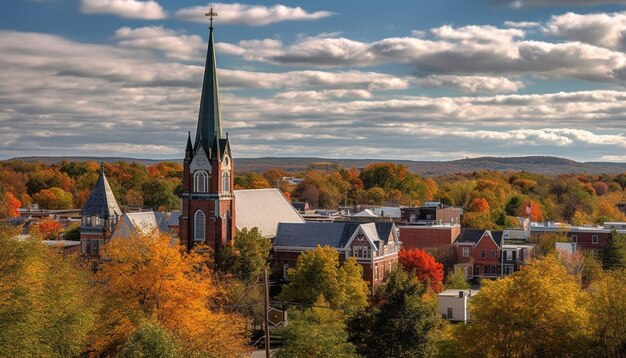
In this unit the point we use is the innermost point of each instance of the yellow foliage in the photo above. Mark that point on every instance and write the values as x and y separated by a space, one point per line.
145 278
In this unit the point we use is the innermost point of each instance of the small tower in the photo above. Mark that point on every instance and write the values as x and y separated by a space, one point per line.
208 201
99 216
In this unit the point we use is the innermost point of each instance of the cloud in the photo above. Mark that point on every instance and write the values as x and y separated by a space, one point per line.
173 44
521 24
537 3
251 15
133 9
604 30
62 97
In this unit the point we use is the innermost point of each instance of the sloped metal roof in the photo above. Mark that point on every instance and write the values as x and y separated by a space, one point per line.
311 234
101 201
142 223
264 209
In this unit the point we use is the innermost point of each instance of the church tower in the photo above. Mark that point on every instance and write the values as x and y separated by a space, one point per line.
208 202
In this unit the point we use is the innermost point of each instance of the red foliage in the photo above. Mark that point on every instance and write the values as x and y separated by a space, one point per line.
287 196
424 266
479 205
49 229
13 204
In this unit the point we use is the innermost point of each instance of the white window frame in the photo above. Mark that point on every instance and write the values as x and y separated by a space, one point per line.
226 182
201 178
199 214
466 252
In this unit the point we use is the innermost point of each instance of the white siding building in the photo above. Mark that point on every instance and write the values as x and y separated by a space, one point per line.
453 304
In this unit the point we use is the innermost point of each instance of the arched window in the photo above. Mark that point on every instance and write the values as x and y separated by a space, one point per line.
226 182
201 182
199 227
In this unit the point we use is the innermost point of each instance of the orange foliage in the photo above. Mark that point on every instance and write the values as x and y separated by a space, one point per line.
49 229
479 205
12 204
424 266
536 212
146 278
287 196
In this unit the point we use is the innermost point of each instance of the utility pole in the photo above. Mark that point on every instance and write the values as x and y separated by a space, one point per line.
266 318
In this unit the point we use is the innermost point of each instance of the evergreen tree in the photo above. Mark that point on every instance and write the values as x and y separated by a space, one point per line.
614 254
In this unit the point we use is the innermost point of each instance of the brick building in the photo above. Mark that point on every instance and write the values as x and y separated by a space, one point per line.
375 246
432 213
438 240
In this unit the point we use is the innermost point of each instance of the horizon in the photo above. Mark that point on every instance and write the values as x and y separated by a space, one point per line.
444 82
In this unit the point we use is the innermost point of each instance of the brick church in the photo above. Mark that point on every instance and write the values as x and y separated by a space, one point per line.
208 202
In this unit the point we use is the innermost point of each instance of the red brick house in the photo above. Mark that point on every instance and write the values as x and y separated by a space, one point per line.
438 240
375 246
478 253
586 238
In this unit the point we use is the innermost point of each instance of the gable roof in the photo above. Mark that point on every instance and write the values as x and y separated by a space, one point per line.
473 236
264 209
366 213
101 201
311 234
384 229
136 223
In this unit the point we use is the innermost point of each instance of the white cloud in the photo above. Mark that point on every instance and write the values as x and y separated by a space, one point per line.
251 15
133 9
472 84
605 30
173 44
536 3
521 24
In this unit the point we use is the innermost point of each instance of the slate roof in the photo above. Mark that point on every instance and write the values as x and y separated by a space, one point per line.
334 234
101 201
474 235
383 230
264 209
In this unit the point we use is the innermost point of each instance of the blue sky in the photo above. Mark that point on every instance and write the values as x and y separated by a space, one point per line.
414 80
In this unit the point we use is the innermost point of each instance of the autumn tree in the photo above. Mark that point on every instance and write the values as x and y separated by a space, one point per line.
421 264
318 332
607 308
318 274
46 306
538 311
248 256
455 279
145 279
11 206
151 340
399 323
48 229
54 198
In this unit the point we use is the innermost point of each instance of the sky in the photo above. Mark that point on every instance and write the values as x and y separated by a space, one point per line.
412 79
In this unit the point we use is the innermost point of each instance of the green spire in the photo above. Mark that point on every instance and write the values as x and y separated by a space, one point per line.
209 119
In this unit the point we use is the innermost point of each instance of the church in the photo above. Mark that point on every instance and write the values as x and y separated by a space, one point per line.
208 201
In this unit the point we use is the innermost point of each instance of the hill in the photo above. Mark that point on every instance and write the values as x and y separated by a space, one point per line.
534 164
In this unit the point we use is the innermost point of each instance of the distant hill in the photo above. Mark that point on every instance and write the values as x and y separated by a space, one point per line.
534 164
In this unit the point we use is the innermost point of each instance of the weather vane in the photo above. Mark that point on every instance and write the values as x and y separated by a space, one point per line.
211 14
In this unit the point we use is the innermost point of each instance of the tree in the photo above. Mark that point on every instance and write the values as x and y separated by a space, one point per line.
608 314
399 323
455 279
159 193
46 306
318 332
54 198
421 264
144 278
151 340
12 205
48 229
614 254
318 273
538 311
248 256
479 205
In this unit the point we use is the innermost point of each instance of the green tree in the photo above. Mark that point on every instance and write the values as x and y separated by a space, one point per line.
537 312
614 254
54 198
159 193
151 340
318 273
399 324
248 256
46 306
316 332
455 279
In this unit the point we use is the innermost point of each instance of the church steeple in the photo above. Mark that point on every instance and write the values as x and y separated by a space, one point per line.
209 119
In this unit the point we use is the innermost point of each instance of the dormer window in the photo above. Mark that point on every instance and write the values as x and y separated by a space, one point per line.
225 182
201 182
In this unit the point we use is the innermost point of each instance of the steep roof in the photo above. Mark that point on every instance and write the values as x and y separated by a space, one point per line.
136 223
209 117
474 235
264 209
366 213
384 229
101 201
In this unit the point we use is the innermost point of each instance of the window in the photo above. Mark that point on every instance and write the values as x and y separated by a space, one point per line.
285 271
199 226
376 272
226 182
574 238
493 270
486 270
493 254
594 239
95 247
201 182
476 270
450 313
83 246
466 252
483 253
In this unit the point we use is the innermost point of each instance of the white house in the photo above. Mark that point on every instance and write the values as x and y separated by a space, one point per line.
453 304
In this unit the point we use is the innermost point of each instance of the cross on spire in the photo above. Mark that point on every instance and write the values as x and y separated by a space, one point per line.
211 14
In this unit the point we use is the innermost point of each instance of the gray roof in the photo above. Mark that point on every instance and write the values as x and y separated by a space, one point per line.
141 223
474 235
264 209
101 201
335 234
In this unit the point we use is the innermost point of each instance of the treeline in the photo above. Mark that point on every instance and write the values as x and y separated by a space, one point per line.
491 199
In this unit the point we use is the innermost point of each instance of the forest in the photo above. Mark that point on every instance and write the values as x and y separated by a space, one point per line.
491 199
